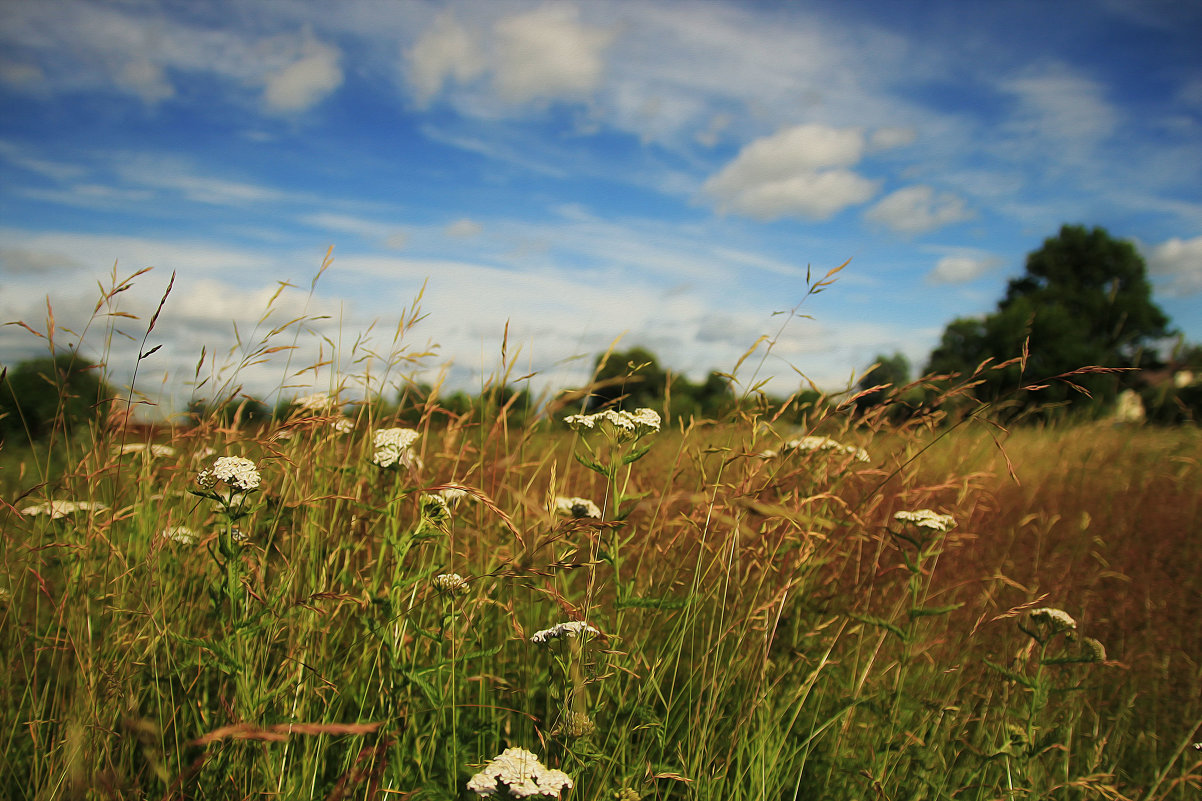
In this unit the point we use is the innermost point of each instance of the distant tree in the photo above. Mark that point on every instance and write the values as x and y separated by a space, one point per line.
238 410
1084 300
893 372
628 379
41 394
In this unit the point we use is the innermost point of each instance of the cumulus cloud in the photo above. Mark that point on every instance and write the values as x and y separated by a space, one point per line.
446 51
304 82
544 54
799 171
961 269
1179 263
918 209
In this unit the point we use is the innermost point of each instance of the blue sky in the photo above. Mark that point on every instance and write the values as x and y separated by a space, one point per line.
572 173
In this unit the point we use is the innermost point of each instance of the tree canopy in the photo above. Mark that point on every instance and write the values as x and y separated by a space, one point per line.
1084 300
40 394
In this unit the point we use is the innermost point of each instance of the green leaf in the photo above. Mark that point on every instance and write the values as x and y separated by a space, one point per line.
592 464
884 624
635 455
933 611
1010 674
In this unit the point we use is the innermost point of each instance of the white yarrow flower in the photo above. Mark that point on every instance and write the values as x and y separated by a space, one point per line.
826 444
925 518
626 425
181 534
577 508
1056 619
520 773
60 509
570 630
155 449
392 447
240 474
450 583
317 403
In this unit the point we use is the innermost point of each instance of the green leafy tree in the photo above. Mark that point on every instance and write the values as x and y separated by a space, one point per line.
1084 300
890 372
40 395
628 379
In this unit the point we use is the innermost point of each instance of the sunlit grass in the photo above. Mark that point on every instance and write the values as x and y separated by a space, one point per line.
746 615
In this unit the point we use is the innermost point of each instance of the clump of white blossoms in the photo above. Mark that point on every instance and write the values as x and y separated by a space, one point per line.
60 509
826 444
181 534
155 449
392 447
238 473
450 583
1055 620
925 518
622 424
570 630
343 425
521 773
317 403
578 508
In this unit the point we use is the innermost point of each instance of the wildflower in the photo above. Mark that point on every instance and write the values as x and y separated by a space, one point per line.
571 630
155 449
521 773
435 507
627 794
6 596
240 474
343 425
624 425
925 518
450 583
392 447
317 403
60 509
826 444
181 534
1056 620
577 508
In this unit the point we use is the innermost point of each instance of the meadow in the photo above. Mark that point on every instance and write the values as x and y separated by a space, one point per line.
778 604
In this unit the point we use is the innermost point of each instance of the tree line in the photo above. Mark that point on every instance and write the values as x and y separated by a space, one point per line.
1078 327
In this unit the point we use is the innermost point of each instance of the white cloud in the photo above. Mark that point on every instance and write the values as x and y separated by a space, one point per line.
1179 262
305 82
890 137
961 269
446 50
547 53
1056 103
464 228
799 171
543 54
917 209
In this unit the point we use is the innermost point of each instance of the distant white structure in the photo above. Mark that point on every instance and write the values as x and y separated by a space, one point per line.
1129 408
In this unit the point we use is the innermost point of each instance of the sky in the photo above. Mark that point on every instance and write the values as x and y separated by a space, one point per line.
516 186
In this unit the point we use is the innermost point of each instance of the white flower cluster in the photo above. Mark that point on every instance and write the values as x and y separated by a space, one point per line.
317 403
181 534
571 630
240 474
60 509
155 449
577 508
343 425
450 583
826 444
522 775
1055 619
392 447
925 518
627 425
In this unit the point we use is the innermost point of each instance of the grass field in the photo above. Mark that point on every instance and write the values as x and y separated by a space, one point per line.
358 614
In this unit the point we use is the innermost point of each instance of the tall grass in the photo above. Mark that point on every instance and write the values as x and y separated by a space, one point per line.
763 625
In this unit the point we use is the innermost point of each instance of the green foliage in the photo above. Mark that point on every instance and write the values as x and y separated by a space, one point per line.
238 410
44 395
634 379
1083 301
